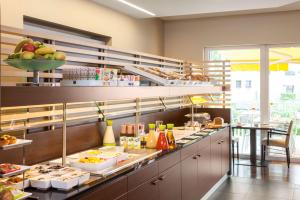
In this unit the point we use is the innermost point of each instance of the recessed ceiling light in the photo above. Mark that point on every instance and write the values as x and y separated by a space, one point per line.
136 7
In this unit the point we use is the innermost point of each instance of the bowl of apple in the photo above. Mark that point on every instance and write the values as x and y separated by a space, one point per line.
35 56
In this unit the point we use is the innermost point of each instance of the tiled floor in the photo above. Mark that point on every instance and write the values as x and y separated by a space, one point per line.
250 183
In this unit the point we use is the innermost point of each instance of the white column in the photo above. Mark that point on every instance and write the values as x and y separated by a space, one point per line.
264 84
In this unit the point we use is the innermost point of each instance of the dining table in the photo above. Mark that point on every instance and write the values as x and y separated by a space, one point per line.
254 128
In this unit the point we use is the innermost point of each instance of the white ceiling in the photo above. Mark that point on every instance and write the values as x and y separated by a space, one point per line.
176 9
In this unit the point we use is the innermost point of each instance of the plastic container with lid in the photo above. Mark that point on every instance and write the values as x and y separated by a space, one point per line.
109 137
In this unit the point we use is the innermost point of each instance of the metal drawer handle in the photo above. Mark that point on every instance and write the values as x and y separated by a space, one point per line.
161 178
155 182
195 157
199 155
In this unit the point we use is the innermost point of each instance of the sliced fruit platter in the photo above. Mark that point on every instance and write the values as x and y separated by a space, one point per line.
99 159
7 169
55 176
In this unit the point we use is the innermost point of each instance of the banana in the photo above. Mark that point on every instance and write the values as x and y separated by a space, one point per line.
44 50
21 44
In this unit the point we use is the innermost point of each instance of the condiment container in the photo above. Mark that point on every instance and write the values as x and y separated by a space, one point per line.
151 140
162 143
170 136
109 137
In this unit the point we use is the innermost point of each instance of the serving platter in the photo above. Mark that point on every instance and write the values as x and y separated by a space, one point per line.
19 143
192 137
35 64
24 196
20 171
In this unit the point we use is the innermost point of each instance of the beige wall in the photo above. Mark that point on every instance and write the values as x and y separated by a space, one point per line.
126 32
188 38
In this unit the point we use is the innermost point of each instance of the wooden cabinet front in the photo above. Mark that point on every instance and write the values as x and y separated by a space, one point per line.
216 161
110 191
189 178
187 174
204 171
225 152
147 191
170 184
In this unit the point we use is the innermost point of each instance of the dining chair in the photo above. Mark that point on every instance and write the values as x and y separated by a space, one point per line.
235 142
282 142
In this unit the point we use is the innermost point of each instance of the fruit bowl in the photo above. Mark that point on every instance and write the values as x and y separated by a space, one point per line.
35 64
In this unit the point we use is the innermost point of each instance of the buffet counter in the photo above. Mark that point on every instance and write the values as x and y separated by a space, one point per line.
187 172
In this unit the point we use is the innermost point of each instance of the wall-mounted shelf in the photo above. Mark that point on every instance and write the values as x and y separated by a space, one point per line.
22 96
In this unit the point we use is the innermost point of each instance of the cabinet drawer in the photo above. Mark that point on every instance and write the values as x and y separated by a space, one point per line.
189 150
110 191
147 191
217 136
168 161
142 175
225 133
203 143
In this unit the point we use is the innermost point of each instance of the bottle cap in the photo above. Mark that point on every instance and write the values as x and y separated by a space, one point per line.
109 122
162 127
170 126
152 126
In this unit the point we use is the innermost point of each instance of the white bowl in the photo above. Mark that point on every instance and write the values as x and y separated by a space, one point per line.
64 183
94 166
41 182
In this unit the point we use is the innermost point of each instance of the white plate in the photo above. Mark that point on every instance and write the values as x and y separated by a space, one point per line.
191 137
24 196
19 143
20 171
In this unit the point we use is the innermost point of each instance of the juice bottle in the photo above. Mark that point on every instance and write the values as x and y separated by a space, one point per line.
162 142
170 136
151 138
109 137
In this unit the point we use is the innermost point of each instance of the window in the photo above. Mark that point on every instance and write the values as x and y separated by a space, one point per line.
248 84
290 73
238 84
289 89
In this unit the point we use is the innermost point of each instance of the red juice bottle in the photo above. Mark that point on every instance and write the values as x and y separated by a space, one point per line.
162 142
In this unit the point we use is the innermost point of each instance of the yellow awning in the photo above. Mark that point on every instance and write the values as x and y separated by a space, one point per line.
249 59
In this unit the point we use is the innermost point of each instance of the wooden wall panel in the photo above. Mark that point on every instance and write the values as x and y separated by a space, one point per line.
47 145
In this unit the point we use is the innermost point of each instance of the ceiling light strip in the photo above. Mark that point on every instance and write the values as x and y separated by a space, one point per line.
136 7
